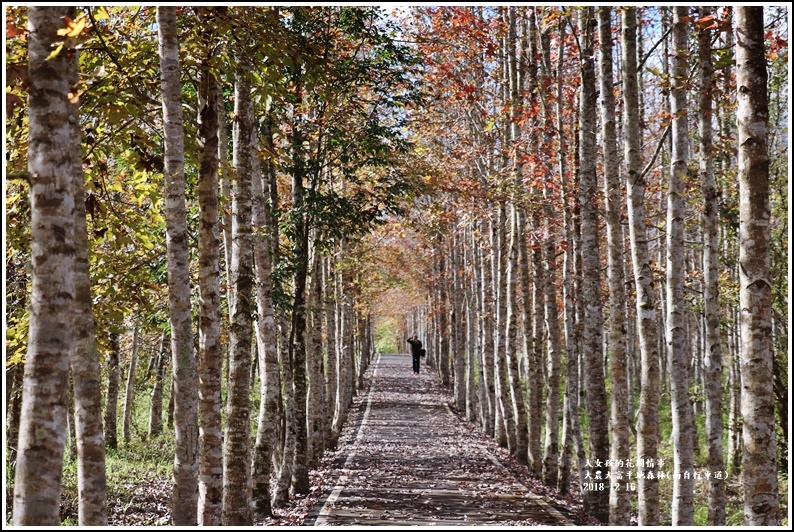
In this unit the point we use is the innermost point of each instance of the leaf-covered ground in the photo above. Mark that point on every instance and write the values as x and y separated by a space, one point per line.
406 459
403 458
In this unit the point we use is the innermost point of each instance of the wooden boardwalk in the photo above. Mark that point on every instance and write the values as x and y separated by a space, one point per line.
412 461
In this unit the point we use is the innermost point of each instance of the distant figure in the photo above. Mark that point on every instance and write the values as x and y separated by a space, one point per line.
416 352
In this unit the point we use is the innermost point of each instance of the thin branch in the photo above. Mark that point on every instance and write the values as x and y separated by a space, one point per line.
655 153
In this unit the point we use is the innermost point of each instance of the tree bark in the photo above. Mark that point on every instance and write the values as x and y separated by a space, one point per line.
647 325
549 275
591 278
86 373
185 494
156 408
488 311
267 341
679 356
619 510
315 394
297 345
129 395
210 499
237 437
711 252
759 462
45 398
112 393
331 355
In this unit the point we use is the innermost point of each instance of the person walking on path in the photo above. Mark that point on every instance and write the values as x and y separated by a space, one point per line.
416 352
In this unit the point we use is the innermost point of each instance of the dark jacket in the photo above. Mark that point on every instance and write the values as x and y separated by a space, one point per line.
416 347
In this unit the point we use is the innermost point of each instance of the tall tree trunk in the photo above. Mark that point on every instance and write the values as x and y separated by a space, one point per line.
533 297
759 462
45 397
488 311
591 264
315 395
184 501
86 373
549 274
459 353
331 355
343 367
129 395
297 345
473 367
443 316
647 326
517 393
679 356
621 446
112 393
210 501
571 429
156 408
237 438
267 341
516 388
711 250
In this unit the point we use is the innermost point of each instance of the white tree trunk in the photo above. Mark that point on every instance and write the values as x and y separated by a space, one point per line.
129 395
184 501
711 251
679 356
619 510
759 462
237 437
45 396
210 501
591 264
647 323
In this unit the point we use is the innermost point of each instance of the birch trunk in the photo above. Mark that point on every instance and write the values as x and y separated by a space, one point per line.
112 393
237 437
297 346
184 500
156 408
267 343
443 324
591 278
210 501
647 326
571 429
89 433
711 251
517 394
533 296
459 353
621 446
759 462
679 356
331 355
129 395
315 395
45 397
551 445
486 294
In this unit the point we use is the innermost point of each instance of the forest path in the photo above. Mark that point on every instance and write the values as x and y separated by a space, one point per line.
412 461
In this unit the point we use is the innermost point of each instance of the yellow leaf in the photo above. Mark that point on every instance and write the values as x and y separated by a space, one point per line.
101 13
55 52
73 27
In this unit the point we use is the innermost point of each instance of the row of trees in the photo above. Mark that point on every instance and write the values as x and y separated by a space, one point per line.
124 158
602 242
